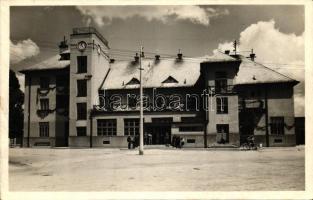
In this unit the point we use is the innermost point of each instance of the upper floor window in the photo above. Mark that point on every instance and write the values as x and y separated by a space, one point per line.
82 88
44 129
44 104
170 79
133 81
44 82
81 64
277 126
106 127
220 82
221 105
81 111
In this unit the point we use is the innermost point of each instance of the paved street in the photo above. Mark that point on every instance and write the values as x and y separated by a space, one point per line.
158 170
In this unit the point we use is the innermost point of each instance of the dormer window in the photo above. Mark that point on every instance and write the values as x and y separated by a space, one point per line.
133 81
170 79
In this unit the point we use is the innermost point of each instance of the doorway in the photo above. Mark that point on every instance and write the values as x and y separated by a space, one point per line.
157 134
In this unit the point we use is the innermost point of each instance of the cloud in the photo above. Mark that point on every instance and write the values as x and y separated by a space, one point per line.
23 50
280 51
195 14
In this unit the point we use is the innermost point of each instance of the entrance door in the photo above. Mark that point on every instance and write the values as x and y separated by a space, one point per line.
159 134
222 136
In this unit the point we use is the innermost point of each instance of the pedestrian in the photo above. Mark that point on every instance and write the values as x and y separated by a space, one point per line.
173 141
149 138
129 140
166 138
177 143
136 141
182 142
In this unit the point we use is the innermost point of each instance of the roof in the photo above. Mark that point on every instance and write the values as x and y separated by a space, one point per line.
50 63
153 73
251 72
156 74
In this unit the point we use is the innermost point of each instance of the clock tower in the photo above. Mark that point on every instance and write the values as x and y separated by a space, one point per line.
89 64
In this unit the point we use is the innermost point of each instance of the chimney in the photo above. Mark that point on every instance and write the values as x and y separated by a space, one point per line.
63 45
252 55
227 52
63 50
157 57
136 57
179 55
112 60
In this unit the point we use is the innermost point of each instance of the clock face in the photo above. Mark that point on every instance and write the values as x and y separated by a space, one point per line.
99 49
81 45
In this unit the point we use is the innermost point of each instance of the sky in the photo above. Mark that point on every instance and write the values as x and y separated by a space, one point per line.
275 33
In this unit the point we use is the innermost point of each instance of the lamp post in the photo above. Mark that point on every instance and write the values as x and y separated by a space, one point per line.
141 107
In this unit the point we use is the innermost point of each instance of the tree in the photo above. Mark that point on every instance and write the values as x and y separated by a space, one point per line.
16 100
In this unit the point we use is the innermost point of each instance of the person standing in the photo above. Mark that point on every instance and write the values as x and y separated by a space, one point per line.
129 140
182 142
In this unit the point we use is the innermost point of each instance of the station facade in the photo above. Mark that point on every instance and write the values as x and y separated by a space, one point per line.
82 97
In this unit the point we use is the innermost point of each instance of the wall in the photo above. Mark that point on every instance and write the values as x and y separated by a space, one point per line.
280 104
232 117
97 67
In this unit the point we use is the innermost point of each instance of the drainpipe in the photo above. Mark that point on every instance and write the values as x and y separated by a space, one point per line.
28 120
266 118
90 117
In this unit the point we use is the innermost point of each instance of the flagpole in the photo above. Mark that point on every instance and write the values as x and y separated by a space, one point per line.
141 107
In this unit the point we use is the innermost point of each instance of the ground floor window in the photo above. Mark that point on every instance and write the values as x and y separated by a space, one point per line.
131 126
277 126
106 127
44 129
81 131
222 135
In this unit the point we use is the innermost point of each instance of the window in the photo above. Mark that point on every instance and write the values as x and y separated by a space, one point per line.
44 104
81 111
44 129
277 126
101 98
82 88
81 64
191 141
106 127
170 79
131 126
220 82
221 105
44 82
222 135
132 102
81 131
190 128
133 81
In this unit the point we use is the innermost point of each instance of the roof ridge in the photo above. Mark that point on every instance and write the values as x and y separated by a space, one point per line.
271 69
